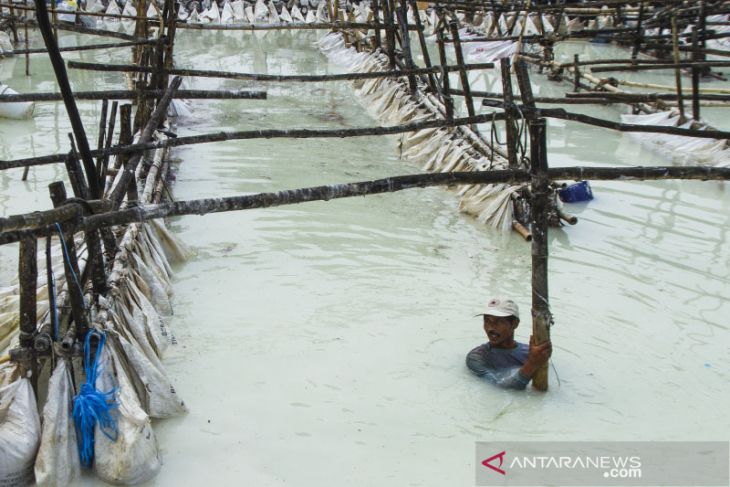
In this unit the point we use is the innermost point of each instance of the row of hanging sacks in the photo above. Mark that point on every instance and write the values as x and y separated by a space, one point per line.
15 110
260 12
20 428
680 148
436 149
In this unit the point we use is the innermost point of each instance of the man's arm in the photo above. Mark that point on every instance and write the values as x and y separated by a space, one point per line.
506 378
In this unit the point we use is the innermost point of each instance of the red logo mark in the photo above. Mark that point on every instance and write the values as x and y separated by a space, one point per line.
501 459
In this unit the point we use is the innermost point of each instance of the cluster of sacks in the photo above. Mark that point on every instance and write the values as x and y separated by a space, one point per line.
134 317
435 149
225 12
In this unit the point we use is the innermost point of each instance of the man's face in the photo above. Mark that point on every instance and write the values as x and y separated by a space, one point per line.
500 330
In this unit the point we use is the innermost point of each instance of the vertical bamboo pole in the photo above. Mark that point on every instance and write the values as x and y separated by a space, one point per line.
510 129
424 46
638 33
445 84
695 76
541 317
102 134
28 278
376 20
677 71
70 266
389 34
406 43
454 26
576 73
27 54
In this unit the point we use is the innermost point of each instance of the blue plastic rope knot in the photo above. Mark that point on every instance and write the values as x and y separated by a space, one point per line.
92 406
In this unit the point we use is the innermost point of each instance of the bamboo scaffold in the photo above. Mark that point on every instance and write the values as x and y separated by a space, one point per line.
110 248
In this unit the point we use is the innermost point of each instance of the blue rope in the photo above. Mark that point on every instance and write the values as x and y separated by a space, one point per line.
92 406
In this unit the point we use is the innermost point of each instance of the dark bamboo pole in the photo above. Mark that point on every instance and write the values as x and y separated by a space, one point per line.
695 76
130 95
108 143
389 33
27 57
68 99
74 285
11 227
424 46
406 44
28 279
677 73
102 133
639 32
91 47
393 73
376 21
508 97
445 83
454 26
576 73
541 318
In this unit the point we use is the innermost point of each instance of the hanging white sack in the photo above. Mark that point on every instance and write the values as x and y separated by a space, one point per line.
15 110
238 14
20 429
227 13
284 15
57 463
260 12
133 457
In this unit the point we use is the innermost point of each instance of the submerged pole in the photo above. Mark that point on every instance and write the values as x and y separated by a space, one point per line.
541 318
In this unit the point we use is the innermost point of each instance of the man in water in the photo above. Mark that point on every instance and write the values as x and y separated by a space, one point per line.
502 360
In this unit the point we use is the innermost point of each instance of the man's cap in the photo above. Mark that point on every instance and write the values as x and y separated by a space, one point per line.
502 307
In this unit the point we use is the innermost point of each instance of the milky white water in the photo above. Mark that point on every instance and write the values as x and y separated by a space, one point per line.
324 343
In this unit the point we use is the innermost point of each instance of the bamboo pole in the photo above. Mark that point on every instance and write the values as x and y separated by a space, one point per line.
368 131
91 47
677 73
395 73
130 95
68 99
510 129
28 278
11 227
445 83
453 25
70 263
541 317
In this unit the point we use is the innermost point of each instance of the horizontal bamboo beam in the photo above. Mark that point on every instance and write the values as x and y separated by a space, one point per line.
364 131
656 66
345 190
91 47
130 68
131 95
639 97
285 26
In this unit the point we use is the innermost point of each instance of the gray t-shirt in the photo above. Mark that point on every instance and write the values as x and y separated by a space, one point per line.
499 366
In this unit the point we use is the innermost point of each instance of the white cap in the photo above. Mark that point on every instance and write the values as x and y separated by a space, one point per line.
502 307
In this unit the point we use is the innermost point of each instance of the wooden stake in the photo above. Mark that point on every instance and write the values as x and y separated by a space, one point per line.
454 26
677 72
541 318
445 83
510 129
28 278
74 283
